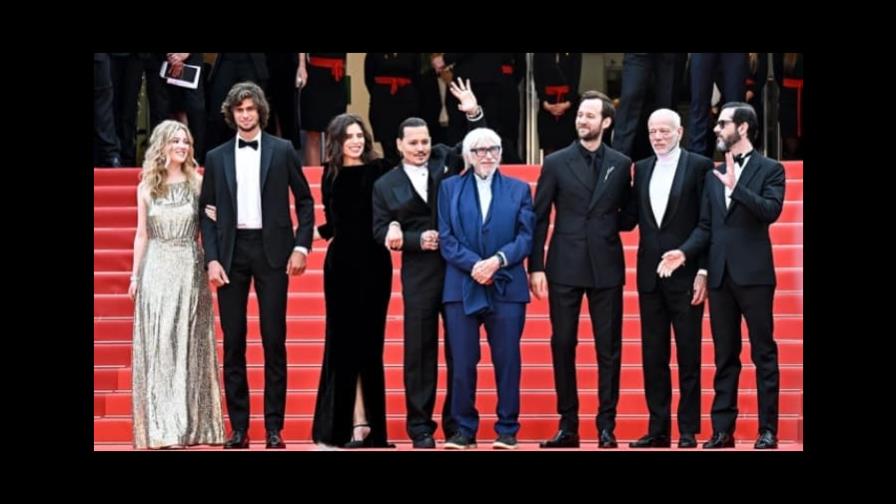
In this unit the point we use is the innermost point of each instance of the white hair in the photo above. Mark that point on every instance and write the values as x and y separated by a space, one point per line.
477 137
666 114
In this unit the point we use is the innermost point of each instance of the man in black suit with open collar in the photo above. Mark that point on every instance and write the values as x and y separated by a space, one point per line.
665 205
404 218
588 184
248 180
738 207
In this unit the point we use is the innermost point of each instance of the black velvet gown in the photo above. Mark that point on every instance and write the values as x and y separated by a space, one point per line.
357 287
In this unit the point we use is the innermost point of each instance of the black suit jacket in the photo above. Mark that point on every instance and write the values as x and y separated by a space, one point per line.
738 236
281 172
585 247
395 199
679 220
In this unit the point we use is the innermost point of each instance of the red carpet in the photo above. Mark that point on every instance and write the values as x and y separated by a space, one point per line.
114 222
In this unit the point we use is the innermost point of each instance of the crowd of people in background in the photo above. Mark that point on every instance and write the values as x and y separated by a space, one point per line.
306 90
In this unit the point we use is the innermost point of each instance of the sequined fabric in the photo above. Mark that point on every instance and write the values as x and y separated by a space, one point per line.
176 395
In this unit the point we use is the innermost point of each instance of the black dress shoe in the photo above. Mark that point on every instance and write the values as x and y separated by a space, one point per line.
648 441
607 439
563 439
766 441
719 440
239 439
424 441
274 440
687 441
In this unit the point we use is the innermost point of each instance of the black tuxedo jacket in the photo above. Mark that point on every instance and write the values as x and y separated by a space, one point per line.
281 172
585 249
738 237
679 220
394 199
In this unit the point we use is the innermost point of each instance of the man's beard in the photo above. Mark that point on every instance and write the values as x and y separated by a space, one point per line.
593 135
724 145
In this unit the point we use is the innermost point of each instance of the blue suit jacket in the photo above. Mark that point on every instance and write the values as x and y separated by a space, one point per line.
464 239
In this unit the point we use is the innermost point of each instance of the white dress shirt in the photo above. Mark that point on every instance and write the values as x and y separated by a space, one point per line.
484 188
419 176
248 185
661 182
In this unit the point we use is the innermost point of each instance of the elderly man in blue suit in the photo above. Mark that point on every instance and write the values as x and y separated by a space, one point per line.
485 228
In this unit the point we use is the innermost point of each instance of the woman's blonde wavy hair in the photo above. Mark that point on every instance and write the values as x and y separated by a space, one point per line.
155 164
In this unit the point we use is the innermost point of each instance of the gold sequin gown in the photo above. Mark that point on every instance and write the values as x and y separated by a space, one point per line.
176 395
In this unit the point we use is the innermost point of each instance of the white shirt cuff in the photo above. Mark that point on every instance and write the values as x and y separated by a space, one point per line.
301 249
478 115
503 258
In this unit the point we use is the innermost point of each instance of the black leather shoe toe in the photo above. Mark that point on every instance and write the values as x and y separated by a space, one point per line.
650 441
719 440
239 439
274 440
687 441
766 441
563 439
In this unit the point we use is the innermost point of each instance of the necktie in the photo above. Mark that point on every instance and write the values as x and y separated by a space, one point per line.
739 158
253 144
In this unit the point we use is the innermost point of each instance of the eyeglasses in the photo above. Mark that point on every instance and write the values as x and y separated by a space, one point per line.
723 122
660 132
494 150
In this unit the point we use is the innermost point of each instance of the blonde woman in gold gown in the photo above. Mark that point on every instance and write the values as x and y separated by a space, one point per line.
176 395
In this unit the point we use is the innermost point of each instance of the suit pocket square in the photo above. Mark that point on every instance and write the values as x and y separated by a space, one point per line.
609 171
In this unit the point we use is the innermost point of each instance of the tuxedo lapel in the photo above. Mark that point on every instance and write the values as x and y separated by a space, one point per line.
267 154
607 169
681 172
230 170
404 191
437 170
576 165
747 174
647 205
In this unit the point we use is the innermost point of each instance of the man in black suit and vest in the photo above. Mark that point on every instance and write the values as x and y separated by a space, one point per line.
404 218
588 184
738 207
248 180
665 205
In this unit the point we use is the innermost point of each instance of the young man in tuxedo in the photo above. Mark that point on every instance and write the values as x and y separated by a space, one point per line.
404 218
738 207
588 184
665 205
248 180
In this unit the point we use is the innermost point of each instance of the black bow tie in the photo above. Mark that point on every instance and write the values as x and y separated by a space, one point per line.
253 144
739 158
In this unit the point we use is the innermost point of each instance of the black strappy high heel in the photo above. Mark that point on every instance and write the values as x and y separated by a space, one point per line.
358 443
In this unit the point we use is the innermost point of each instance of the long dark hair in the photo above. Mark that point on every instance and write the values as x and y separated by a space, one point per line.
336 135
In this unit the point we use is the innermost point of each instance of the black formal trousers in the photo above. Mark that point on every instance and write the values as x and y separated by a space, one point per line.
271 284
605 308
726 306
661 310
423 276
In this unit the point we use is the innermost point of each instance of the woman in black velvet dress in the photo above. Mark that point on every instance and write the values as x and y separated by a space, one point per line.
351 398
